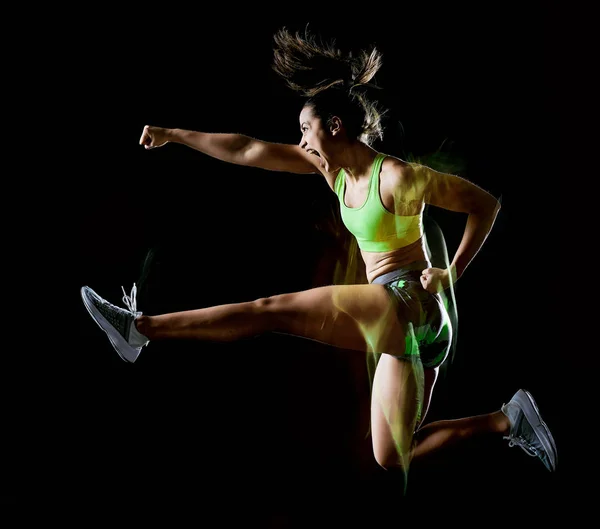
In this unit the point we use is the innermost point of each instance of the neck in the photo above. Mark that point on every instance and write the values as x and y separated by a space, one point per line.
356 160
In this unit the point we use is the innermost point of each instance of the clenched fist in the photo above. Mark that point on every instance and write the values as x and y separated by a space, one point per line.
435 280
153 137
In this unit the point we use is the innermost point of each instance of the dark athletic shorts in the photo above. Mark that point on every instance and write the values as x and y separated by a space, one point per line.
429 331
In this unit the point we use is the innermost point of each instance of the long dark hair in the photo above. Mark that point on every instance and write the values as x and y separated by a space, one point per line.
333 83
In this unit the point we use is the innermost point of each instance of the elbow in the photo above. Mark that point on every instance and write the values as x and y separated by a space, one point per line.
247 151
243 143
487 208
494 208
497 204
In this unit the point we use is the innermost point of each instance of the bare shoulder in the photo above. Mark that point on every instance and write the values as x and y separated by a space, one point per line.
397 172
399 186
414 174
413 183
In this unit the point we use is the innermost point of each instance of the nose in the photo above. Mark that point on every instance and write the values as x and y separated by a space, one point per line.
302 142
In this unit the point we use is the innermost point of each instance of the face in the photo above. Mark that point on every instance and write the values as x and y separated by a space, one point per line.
316 138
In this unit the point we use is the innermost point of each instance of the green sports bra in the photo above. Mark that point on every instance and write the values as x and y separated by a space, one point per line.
375 228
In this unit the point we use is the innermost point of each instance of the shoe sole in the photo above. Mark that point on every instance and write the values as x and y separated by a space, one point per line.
115 338
535 420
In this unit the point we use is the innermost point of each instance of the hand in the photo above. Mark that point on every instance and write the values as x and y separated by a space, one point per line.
153 137
435 280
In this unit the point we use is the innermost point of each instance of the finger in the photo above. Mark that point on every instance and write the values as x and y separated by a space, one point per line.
145 139
143 135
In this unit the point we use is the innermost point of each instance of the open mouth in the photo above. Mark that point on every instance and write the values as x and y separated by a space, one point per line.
312 151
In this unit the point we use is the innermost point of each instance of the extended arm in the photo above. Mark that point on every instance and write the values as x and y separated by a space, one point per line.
235 148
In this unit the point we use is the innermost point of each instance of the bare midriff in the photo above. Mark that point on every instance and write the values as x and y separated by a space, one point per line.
379 263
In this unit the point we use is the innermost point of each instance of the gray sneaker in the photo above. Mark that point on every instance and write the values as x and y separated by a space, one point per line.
527 429
116 322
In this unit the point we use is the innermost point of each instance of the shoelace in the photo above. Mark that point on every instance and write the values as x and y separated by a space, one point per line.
519 441
130 301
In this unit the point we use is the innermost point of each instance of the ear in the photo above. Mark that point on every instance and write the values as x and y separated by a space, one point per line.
335 126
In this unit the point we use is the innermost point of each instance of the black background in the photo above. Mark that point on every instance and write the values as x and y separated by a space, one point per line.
271 430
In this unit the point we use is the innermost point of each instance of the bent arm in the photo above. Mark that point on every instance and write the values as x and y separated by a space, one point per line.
479 224
457 194
244 150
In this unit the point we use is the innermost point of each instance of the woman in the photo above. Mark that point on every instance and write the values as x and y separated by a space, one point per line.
399 314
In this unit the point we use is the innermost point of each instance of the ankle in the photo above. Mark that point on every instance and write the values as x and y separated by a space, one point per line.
142 324
501 422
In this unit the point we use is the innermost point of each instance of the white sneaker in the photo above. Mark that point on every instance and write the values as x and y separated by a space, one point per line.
116 322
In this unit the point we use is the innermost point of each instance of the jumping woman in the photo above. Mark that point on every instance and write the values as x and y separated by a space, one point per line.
399 314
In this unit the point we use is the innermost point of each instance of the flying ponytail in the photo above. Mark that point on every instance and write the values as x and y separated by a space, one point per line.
333 83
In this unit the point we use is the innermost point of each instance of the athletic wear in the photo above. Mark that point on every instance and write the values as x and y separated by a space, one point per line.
116 322
430 332
375 228
528 430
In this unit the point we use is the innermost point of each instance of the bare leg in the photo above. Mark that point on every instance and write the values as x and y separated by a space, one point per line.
358 317
400 388
441 434
398 394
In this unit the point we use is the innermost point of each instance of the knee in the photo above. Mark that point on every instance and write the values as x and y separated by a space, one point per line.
385 460
390 458
260 303
264 305
268 309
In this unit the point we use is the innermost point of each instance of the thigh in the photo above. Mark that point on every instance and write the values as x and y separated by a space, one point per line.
401 396
430 378
359 317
